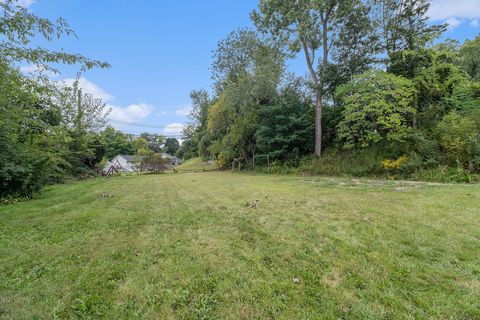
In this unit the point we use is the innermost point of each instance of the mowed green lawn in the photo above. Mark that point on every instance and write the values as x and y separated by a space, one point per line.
185 246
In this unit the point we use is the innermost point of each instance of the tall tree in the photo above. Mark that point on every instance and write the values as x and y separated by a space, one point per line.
195 135
356 49
312 27
171 146
82 115
285 130
248 70
155 141
32 142
244 55
404 25
470 58
82 111
200 103
140 144
115 142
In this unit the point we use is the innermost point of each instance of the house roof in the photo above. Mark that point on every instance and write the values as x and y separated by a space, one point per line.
169 156
130 157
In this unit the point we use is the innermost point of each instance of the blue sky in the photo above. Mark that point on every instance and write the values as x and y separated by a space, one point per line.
161 50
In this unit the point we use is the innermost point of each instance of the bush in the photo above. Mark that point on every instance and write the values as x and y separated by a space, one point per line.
445 174
278 167
378 107
222 161
427 149
357 163
459 139
11 199
393 166
154 163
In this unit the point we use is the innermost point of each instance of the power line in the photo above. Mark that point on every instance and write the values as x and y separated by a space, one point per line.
143 125
178 136
151 126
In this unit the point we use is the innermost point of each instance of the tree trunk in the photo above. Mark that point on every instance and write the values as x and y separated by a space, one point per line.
318 124
318 101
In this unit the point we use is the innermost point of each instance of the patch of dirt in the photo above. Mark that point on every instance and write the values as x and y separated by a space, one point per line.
471 284
252 204
333 280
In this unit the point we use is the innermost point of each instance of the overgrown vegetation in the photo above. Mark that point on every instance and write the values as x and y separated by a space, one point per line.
44 128
381 90
50 132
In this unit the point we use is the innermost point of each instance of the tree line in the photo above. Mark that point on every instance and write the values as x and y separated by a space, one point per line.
379 87
381 95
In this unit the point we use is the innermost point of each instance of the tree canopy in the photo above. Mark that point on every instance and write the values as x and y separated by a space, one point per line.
376 84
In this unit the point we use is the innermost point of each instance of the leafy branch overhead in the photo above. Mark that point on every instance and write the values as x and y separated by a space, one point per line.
19 28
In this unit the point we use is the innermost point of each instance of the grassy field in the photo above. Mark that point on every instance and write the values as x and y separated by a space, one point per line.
186 246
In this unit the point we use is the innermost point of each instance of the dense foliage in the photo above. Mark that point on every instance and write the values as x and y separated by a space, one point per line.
381 85
45 133
377 108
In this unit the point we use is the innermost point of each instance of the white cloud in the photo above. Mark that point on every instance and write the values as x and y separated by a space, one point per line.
25 3
22 3
454 12
131 113
36 70
30 69
453 23
120 117
474 23
173 129
161 113
91 88
183 111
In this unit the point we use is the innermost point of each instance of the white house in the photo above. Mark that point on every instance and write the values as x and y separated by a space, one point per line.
124 163
130 163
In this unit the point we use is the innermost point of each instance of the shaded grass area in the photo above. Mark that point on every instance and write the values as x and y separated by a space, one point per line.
185 246
197 165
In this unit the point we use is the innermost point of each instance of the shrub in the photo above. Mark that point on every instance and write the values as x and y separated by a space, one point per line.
282 167
445 174
427 149
365 162
393 166
459 139
222 161
153 162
